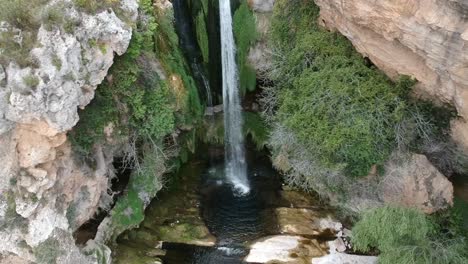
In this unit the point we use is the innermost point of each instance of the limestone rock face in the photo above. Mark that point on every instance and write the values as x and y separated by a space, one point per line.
45 193
262 6
260 54
426 39
417 183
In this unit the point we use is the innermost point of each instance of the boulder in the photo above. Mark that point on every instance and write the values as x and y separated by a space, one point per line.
416 183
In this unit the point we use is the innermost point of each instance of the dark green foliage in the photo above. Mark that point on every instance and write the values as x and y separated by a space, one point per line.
93 119
245 33
347 112
405 235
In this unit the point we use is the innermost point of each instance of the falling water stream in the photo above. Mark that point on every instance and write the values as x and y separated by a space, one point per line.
236 168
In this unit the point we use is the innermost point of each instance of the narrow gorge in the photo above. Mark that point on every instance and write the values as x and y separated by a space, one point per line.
233 131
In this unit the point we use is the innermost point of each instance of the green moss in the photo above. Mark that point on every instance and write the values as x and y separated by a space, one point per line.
202 35
245 33
144 183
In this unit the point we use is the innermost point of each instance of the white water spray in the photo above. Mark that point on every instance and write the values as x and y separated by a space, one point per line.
236 168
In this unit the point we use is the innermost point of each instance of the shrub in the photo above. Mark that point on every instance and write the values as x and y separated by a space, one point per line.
22 13
17 49
349 113
53 16
404 235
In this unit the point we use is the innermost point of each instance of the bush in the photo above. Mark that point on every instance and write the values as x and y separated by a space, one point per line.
349 113
404 235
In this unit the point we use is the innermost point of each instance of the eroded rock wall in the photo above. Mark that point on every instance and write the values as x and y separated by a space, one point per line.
426 39
45 193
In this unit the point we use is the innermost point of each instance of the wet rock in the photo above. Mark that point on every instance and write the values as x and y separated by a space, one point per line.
175 216
284 249
342 258
417 183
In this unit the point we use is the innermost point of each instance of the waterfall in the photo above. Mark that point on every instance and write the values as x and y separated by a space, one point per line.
236 168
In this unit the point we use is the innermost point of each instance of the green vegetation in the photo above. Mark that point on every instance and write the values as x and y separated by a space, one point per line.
31 81
202 34
337 106
405 235
22 13
53 16
245 33
94 6
57 62
142 108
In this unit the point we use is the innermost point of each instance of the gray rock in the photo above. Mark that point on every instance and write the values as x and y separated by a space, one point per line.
341 258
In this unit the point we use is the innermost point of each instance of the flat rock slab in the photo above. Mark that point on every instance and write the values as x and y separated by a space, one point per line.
301 221
285 249
342 258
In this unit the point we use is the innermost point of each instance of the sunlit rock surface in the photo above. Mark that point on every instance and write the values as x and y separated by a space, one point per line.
284 249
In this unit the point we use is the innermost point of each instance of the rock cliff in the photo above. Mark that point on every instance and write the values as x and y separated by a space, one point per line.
424 39
45 193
